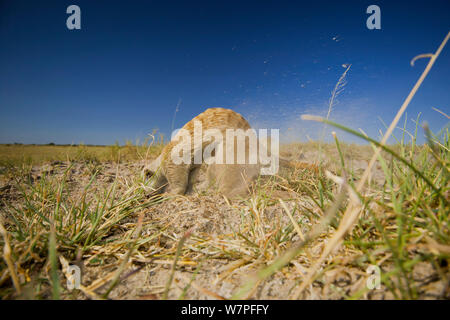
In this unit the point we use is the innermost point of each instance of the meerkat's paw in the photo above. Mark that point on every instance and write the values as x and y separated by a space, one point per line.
175 190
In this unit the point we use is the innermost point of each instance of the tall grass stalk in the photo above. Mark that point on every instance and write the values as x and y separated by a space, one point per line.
338 88
353 209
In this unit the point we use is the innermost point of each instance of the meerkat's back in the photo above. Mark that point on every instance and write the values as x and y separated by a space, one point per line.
177 175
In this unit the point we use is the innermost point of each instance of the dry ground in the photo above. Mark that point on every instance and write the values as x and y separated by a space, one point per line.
218 245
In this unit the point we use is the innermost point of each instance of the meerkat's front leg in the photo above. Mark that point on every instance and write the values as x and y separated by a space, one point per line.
178 178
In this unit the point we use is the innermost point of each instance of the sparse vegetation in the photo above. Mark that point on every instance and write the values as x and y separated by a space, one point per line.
19 154
403 230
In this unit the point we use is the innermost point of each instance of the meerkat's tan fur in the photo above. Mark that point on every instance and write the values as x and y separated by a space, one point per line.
230 179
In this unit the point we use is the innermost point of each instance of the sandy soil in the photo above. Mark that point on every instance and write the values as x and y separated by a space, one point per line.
213 219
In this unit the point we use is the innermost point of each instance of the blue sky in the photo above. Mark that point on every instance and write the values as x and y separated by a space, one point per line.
123 73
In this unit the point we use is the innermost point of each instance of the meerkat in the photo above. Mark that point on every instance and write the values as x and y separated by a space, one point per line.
231 179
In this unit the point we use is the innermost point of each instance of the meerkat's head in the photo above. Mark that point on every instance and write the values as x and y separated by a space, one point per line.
154 175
